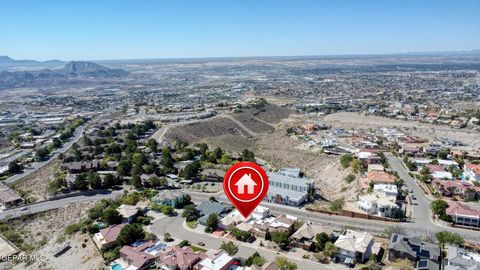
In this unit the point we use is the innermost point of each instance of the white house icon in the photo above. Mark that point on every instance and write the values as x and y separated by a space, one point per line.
246 180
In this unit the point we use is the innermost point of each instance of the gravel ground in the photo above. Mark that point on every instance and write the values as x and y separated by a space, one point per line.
35 184
48 226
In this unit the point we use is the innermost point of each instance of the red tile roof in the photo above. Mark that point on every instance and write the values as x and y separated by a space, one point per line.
111 233
182 258
474 167
457 209
136 255
380 177
435 168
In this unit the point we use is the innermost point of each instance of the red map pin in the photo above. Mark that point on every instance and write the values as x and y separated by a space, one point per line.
245 185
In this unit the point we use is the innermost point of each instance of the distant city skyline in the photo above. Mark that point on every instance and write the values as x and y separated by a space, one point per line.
103 30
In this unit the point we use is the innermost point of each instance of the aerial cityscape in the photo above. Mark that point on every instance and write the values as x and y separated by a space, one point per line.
122 158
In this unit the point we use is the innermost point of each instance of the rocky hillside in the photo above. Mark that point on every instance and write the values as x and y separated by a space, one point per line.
245 124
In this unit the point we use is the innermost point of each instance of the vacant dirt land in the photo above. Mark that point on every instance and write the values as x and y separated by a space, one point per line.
347 120
35 185
45 232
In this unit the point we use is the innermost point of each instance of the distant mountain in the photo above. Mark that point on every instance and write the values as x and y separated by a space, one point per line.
7 63
6 59
71 73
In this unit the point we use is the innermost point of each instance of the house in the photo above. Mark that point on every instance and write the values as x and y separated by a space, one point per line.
107 237
171 198
357 246
288 187
375 168
208 207
128 212
461 259
8 197
376 177
304 237
387 189
212 175
140 256
472 172
231 219
179 258
449 188
220 261
378 204
80 166
432 149
412 248
463 215
282 223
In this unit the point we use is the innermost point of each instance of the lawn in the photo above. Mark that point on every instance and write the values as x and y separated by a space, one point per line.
195 249
192 224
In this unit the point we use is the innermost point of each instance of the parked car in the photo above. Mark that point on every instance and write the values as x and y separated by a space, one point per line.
413 197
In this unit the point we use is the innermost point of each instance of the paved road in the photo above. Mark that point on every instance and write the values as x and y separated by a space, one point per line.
421 209
174 226
55 204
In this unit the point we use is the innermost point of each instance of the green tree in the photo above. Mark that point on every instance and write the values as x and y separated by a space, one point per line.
94 181
42 154
168 210
111 216
191 170
439 207
321 238
330 249
56 143
445 237
240 235
152 145
157 182
229 247
281 238
211 223
255 259
345 160
350 178
109 180
167 237
190 213
15 167
284 264
130 233
337 205
218 152
424 170
356 165
248 155
167 160
136 181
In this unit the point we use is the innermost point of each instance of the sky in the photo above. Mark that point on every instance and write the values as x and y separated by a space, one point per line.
139 29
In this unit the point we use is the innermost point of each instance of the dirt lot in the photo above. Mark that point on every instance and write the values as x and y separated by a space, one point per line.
354 120
45 231
39 180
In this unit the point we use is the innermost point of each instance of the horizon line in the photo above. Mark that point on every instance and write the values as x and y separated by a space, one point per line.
439 52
